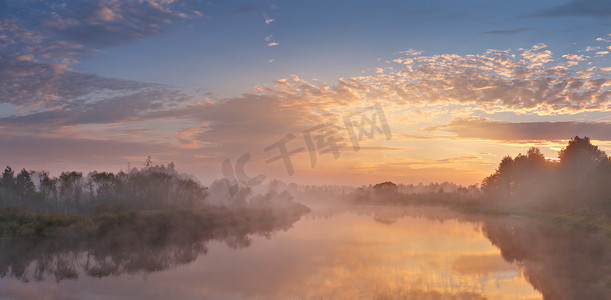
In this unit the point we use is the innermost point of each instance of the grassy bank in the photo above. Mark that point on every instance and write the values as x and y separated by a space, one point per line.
16 222
581 219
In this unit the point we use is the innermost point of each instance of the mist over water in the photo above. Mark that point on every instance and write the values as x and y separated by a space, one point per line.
156 234
334 252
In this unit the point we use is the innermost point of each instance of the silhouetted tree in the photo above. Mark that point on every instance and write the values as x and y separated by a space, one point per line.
499 184
70 189
8 183
385 188
24 186
519 176
105 184
152 187
535 155
48 188
148 162
581 154
581 178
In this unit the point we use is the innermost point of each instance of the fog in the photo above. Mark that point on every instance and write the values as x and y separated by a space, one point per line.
538 224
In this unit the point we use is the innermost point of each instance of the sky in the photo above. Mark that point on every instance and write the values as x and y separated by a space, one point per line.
313 92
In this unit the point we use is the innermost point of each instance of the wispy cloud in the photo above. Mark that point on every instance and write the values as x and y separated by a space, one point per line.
532 80
52 98
588 8
411 52
481 128
507 32
270 41
90 25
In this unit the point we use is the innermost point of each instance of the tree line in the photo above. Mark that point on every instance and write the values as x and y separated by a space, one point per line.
154 186
579 178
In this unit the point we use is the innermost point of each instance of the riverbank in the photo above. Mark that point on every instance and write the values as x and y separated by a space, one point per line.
16 222
576 216
581 218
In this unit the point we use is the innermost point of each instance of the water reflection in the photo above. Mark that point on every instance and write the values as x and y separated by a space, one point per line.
348 253
120 252
560 262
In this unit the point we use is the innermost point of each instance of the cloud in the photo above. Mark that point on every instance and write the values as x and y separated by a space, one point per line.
495 81
51 99
28 83
62 32
68 29
270 41
575 8
573 57
38 51
28 148
120 108
247 123
591 48
537 57
481 128
529 81
507 32
411 52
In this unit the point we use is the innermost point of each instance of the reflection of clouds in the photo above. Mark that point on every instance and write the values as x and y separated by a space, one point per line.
352 257
482 264
374 260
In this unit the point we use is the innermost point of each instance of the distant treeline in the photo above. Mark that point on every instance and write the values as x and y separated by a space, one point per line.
445 193
580 178
151 187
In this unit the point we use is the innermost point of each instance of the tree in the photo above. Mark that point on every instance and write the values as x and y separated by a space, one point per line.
7 184
501 181
385 188
519 175
581 154
105 184
71 188
535 155
24 186
8 178
48 187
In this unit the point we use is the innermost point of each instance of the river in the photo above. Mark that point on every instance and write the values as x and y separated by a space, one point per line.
350 253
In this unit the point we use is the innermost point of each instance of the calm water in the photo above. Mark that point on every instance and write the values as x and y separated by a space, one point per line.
357 254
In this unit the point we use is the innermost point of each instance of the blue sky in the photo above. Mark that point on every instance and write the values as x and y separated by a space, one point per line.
226 52
96 84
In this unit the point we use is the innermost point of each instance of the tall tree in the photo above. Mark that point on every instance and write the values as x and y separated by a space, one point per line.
48 188
24 186
71 188
8 184
581 154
